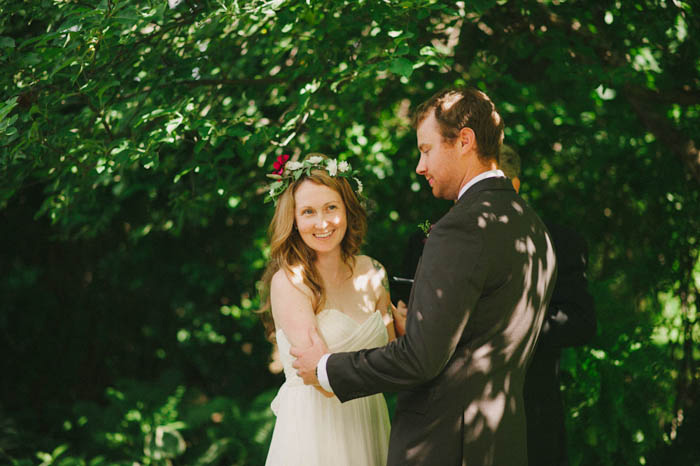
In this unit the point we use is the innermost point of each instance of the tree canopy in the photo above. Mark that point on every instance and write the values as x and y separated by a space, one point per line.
134 141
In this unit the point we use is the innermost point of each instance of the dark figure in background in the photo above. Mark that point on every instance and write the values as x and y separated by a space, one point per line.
570 321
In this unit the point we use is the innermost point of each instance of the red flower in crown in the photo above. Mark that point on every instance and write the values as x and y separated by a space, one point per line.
280 163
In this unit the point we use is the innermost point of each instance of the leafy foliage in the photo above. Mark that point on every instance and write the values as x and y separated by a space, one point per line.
134 140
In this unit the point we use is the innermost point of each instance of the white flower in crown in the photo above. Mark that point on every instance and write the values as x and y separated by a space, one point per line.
359 185
315 160
332 167
291 166
343 166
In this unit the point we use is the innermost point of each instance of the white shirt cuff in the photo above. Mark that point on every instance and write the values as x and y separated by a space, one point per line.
322 374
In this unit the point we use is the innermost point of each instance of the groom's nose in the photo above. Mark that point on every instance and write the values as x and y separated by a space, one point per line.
420 168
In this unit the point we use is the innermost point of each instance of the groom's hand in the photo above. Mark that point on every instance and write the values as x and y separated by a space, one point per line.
307 359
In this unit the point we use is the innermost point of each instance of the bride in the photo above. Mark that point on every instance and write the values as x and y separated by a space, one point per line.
315 279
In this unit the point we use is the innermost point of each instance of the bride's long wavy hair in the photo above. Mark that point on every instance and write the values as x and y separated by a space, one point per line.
289 252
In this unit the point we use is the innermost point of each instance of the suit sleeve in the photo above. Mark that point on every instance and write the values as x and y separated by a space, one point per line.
447 286
570 319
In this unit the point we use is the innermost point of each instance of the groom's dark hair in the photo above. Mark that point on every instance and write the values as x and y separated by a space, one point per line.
457 108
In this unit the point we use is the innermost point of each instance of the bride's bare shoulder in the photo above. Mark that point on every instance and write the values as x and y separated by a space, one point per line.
374 271
369 264
289 284
364 263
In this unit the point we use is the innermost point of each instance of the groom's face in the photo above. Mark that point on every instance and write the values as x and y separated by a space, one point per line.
438 159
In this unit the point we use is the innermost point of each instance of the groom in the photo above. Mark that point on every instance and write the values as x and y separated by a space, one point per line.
480 294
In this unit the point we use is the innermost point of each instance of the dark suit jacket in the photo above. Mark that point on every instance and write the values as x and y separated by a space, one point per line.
570 321
479 298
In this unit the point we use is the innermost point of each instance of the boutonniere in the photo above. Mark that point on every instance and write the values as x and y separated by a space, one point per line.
426 227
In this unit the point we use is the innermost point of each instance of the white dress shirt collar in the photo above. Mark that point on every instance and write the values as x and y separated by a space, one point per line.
479 177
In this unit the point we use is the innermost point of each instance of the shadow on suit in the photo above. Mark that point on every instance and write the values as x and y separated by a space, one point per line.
570 321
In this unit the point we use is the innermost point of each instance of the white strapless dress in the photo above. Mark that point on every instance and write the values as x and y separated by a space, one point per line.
312 430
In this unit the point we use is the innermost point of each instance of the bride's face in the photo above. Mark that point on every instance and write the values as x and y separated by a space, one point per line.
320 216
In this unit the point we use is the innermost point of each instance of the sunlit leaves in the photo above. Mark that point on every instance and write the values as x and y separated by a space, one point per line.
8 132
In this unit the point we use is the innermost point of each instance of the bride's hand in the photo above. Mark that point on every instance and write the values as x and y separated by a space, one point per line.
400 318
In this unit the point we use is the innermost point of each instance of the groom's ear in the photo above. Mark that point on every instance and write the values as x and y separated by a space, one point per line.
467 138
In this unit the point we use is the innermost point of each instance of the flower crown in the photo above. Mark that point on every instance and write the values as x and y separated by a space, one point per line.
286 172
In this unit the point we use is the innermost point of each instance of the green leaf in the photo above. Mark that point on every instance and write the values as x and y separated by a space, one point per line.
7 107
7 42
177 177
158 112
104 87
59 450
11 130
402 49
173 124
402 67
199 146
31 58
237 131
481 6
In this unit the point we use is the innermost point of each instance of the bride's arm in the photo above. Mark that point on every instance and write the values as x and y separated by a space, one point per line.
384 304
293 313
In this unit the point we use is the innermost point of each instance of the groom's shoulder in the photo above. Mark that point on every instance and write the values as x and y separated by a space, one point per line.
491 197
485 207
484 200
